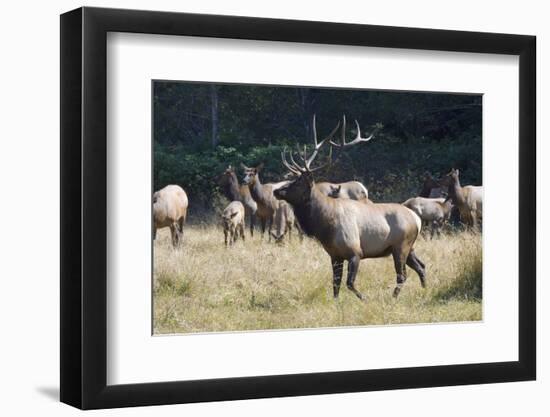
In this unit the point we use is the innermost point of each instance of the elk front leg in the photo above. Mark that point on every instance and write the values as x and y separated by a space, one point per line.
353 267
269 227
262 225
225 231
337 271
252 220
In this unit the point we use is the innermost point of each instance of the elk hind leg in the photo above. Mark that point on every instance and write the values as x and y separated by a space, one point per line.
353 267
174 232
418 266
399 260
241 229
337 271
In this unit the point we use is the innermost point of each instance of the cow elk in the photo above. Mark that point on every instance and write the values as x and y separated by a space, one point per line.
235 192
430 187
432 211
170 210
263 196
347 229
233 222
468 199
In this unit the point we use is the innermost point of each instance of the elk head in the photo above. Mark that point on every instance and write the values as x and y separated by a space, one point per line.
334 191
251 174
451 178
298 190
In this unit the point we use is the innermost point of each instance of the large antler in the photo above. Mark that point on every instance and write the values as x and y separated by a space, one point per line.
297 169
355 141
307 161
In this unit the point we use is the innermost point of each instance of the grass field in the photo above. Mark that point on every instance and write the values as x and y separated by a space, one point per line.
204 287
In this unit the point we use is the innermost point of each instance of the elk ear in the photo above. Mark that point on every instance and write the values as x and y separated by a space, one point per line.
259 167
243 166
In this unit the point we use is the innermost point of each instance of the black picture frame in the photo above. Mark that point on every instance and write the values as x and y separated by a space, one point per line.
84 207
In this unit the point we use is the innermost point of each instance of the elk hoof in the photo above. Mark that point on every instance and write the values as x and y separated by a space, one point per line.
396 292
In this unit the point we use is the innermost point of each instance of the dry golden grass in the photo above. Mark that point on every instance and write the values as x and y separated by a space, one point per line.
204 287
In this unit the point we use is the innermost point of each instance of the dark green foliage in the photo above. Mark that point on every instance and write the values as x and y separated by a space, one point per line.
422 132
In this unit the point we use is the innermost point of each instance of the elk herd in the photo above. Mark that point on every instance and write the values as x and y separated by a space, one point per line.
340 216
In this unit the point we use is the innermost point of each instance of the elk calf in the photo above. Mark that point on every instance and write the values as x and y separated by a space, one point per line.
432 211
233 222
170 210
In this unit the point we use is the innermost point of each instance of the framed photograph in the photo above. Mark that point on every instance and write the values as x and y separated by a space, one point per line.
257 208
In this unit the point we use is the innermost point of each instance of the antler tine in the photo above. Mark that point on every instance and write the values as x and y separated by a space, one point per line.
329 162
319 145
357 139
296 165
343 133
314 124
287 165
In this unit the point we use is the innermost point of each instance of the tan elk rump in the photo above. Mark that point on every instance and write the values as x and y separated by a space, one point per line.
347 229
233 222
170 210
352 190
432 211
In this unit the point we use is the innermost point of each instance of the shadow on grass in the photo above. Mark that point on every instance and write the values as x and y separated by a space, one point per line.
466 286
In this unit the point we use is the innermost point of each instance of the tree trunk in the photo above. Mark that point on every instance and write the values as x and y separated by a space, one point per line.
215 119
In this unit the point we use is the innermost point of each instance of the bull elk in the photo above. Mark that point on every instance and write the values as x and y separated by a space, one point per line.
468 199
170 210
235 192
347 229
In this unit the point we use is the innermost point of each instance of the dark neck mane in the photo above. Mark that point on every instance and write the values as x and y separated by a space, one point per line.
313 214
231 188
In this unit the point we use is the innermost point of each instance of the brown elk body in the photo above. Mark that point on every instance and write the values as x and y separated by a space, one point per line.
235 192
432 211
170 210
468 199
263 196
284 221
349 230
233 222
